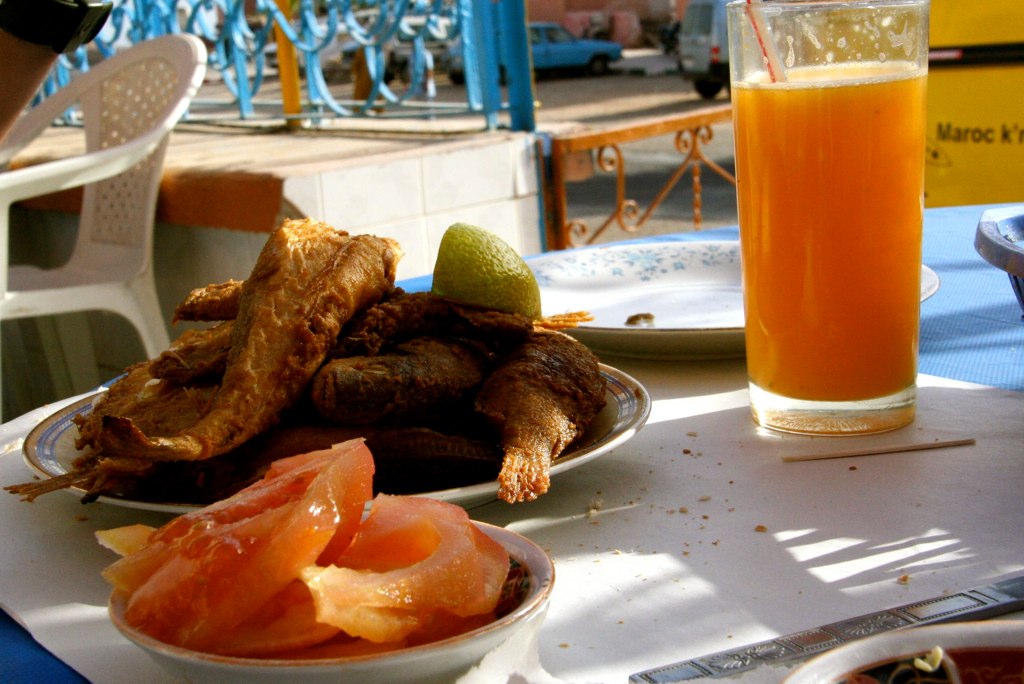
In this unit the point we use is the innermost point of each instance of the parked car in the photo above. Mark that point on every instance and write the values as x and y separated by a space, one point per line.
703 47
553 48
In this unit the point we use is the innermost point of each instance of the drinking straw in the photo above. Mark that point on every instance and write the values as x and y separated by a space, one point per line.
771 59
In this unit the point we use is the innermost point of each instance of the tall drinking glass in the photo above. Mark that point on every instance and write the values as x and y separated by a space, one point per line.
829 123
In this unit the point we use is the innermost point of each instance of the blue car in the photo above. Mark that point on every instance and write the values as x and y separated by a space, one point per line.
553 48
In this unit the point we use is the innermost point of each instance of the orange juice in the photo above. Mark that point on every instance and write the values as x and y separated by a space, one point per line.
830 185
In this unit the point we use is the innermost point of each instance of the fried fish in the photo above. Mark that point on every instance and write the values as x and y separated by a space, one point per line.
308 281
540 398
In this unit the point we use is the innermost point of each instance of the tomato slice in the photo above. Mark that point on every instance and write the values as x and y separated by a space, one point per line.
414 562
286 622
206 572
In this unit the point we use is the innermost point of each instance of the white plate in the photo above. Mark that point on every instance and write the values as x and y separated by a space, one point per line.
50 447
693 290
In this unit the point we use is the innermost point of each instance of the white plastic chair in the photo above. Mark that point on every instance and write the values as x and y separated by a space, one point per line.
129 104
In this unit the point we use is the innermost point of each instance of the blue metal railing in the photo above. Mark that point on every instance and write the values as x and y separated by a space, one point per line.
245 37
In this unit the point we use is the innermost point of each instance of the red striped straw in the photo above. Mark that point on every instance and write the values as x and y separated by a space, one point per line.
771 59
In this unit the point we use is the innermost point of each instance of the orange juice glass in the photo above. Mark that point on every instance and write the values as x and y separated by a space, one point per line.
829 126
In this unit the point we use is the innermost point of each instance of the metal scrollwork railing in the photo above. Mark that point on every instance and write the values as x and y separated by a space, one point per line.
297 44
692 133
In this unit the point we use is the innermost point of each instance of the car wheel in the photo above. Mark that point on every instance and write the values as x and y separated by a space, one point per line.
708 89
598 66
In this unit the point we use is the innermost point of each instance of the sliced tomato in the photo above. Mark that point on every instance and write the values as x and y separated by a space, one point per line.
286 622
412 559
285 480
207 572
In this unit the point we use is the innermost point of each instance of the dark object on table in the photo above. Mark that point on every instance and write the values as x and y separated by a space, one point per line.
1000 241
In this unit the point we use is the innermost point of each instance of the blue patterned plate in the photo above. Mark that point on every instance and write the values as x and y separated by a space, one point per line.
685 297
658 300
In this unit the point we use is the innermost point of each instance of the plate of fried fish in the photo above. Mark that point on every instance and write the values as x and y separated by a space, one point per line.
318 346
50 452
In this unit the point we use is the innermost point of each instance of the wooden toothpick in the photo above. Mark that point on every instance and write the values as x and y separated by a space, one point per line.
872 451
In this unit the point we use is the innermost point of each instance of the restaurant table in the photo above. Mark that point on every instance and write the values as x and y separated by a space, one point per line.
692 537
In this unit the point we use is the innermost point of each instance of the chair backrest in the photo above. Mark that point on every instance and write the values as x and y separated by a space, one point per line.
144 90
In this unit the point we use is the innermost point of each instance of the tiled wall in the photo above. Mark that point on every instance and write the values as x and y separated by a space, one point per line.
413 197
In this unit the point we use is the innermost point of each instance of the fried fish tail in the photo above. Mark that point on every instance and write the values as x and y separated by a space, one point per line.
541 398
93 474
28 491
525 475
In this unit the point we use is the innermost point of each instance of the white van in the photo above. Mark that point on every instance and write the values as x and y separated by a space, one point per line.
703 47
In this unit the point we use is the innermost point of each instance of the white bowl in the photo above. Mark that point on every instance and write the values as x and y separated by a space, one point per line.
979 638
440 661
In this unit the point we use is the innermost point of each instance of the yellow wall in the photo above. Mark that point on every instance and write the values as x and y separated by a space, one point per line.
975 135
956 23
975 111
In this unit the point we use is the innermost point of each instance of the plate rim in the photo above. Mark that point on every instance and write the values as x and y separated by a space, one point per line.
653 342
625 424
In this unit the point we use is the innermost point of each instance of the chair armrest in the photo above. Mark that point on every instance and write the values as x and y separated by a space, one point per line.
61 174
18 138
34 121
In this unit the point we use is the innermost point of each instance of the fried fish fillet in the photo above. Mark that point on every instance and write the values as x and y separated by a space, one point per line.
159 407
540 398
406 315
218 302
421 377
308 281
195 354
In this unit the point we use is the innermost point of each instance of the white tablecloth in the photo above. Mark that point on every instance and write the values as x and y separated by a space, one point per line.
691 538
